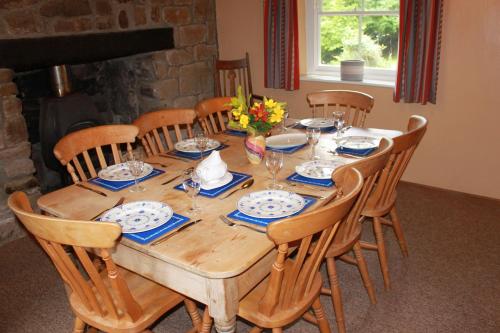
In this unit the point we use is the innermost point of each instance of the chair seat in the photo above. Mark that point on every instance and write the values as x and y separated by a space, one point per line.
249 305
153 298
341 246
371 210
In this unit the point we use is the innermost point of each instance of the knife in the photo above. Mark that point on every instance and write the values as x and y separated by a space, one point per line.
164 238
167 155
170 180
91 189
321 197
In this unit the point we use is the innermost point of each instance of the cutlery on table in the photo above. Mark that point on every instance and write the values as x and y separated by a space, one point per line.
167 155
231 223
164 238
345 129
320 197
118 203
292 125
91 189
158 163
311 187
186 172
344 154
243 186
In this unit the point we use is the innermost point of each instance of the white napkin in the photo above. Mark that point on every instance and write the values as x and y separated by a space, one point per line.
212 168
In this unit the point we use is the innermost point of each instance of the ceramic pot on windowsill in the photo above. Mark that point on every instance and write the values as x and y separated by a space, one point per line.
255 145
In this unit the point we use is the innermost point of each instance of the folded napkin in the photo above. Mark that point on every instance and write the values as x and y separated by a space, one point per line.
144 237
263 222
288 150
120 185
211 168
295 177
356 152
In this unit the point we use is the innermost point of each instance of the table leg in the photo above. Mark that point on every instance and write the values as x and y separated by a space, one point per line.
223 304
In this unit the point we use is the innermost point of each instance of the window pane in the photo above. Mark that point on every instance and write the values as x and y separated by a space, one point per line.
340 5
339 36
380 41
381 4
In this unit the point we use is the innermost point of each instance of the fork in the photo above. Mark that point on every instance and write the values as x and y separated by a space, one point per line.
289 183
231 224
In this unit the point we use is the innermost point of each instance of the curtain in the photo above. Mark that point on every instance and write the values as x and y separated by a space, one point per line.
281 49
419 48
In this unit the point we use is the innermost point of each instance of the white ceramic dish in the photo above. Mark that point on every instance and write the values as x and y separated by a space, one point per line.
121 172
139 216
317 122
359 142
189 146
319 169
226 179
271 204
287 140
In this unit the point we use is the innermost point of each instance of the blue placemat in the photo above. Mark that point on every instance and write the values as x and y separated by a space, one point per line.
235 132
237 215
295 177
237 179
118 186
148 236
196 156
323 129
356 152
288 150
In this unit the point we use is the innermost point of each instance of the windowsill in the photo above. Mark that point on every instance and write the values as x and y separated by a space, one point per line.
336 79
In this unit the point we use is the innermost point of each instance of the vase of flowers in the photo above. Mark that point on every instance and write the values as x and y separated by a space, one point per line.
257 120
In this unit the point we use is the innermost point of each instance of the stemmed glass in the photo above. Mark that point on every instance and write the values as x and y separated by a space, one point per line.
201 142
192 186
136 167
338 121
283 122
313 135
274 163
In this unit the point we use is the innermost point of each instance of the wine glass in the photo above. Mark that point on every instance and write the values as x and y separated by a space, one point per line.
136 167
201 142
192 186
274 163
283 122
338 121
313 135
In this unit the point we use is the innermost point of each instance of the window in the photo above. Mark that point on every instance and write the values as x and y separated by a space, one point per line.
353 29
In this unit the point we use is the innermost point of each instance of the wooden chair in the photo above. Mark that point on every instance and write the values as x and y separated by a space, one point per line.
213 114
105 297
349 233
168 121
355 104
229 74
381 201
80 150
294 284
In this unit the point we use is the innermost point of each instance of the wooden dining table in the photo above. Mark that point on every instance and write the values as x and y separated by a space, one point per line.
210 262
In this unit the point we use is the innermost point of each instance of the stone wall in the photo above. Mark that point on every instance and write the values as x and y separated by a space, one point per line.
127 87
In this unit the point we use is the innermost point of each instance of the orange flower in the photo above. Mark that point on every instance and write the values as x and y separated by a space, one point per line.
259 112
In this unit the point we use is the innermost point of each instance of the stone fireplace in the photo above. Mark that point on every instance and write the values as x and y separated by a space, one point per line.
121 88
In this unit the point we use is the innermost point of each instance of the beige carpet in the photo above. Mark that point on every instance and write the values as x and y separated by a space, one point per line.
450 282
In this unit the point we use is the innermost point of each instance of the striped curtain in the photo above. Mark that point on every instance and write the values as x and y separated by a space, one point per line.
419 48
281 49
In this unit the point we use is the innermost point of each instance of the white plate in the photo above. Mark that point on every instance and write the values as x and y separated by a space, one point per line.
139 216
189 146
120 172
317 122
226 179
359 142
319 169
271 204
286 140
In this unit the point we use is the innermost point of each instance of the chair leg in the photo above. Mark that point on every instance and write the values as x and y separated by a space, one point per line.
78 326
206 325
91 329
336 294
324 327
277 330
382 256
255 329
192 310
398 230
363 270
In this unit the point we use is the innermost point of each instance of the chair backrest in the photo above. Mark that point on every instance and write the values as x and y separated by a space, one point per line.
78 150
294 280
355 104
156 127
103 292
404 147
229 74
213 114
370 168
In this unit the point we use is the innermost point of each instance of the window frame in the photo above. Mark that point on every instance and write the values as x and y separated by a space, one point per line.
313 37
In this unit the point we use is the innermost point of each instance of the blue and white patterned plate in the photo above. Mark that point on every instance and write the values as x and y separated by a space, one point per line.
317 122
139 216
319 169
359 142
271 204
189 146
120 172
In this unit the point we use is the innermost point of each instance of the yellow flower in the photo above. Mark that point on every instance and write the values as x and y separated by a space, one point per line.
277 114
237 112
270 104
244 120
